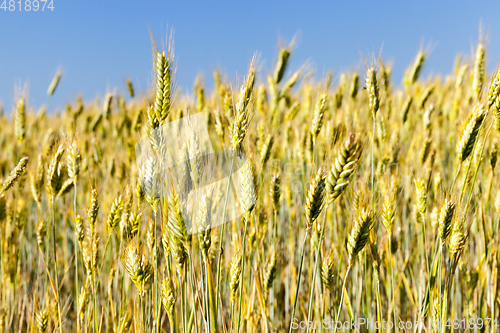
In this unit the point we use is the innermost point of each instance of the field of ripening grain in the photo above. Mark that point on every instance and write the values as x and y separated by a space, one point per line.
345 199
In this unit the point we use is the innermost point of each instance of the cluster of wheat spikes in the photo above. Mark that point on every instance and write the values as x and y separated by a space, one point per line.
376 203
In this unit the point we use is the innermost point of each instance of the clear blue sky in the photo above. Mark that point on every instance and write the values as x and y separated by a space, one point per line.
100 43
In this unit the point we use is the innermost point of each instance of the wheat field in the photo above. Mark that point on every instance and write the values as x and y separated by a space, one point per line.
359 199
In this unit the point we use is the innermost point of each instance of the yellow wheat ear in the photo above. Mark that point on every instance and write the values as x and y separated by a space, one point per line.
343 167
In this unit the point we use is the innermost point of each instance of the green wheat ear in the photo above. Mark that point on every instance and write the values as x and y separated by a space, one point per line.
360 234
240 126
328 272
281 65
130 88
458 238
163 86
413 72
446 219
470 132
247 182
315 197
373 90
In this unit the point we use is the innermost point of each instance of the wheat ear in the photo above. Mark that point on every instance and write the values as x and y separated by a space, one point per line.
240 126
446 219
15 175
359 234
315 197
373 90
471 132
343 167
138 269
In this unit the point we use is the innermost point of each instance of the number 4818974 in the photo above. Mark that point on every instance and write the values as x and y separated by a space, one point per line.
27 5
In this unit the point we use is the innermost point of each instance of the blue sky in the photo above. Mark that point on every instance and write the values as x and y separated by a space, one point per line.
98 44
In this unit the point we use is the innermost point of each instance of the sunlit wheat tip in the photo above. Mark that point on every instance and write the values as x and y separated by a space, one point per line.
406 108
246 182
115 214
270 272
446 219
54 174
130 88
328 272
343 167
353 90
284 55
